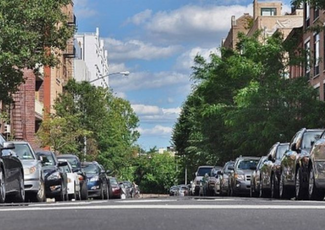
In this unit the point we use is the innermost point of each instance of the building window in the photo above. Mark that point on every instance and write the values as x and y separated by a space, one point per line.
316 13
307 14
316 54
307 58
268 11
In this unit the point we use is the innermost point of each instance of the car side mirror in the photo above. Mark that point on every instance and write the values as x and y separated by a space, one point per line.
219 173
8 145
62 163
75 170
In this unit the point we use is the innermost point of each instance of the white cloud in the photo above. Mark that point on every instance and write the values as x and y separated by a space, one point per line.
135 49
152 113
148 80
186 60
82 10
140 17
157 130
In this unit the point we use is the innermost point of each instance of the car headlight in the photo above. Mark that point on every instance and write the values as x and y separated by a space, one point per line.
239 176
54 176
31 170
95 178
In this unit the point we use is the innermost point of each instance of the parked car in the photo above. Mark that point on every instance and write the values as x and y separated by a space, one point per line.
96 180
271 170
199 174
11 174
255 184
128 189
239 179
295 164
316 183
73 181
173 190
56 180
33 176
76 167
224 175
182 190
213 188
114 189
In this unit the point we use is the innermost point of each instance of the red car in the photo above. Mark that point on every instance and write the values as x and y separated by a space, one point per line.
115 191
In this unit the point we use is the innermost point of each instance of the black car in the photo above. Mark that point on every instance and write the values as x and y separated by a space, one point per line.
55 178
96 180
11 174
76 167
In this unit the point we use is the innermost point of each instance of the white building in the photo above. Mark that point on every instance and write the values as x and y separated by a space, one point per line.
91 60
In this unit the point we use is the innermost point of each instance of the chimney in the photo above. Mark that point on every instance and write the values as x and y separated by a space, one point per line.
233 20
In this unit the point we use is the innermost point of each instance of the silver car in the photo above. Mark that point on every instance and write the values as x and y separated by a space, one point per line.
33 183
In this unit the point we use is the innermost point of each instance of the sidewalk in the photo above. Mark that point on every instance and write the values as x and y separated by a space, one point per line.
153 195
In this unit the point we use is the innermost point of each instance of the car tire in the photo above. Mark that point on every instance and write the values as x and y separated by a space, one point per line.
40 194
84 191
274 187
62 195
106 193
300 191
314 193
284 192
20 196
2 187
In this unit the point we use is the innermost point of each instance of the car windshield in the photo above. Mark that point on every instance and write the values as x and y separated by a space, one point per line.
90 169
281 150
310 138
23 152
66 169
203 171
47 160
247 164
75 164
113 181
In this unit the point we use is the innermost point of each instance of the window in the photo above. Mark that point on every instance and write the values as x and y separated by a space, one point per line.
268 11
316 54
316 13
307 14
307 58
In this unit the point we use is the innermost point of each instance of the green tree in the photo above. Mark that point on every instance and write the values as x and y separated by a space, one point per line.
31 34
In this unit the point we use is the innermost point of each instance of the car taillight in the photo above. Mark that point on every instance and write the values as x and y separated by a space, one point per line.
81 178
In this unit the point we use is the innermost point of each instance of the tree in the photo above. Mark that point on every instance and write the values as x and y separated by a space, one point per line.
317 3
31 34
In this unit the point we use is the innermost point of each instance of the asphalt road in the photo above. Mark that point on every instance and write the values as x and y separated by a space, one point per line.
177 213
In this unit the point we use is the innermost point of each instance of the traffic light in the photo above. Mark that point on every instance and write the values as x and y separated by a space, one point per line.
7 128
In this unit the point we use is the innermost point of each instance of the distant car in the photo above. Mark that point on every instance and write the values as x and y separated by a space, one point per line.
173 190
33 175
56 180
76 167
128 188
114 188
213 188
182 190
96 180
73 181
271 170
240 178
11 174
255 182
224 175
199 174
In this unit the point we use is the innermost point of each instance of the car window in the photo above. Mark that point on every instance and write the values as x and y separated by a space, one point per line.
310 138
23 152
281 150
203 171
66 169
113 181
47 160
247 164
90 169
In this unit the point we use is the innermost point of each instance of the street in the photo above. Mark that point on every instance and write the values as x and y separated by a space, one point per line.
189 213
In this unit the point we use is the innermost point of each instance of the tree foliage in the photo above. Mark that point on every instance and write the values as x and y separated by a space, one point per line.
242 103
31 34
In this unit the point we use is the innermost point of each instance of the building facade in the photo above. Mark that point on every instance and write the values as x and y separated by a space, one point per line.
92 59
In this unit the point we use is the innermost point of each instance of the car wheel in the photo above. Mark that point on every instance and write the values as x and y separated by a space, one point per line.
300 192
101 193
20 196
106 193
2 187
314 193
62 195
84 191
284 192
261 194
40 195
274 188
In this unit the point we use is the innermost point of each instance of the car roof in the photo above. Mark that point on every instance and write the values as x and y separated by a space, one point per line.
44 152
67 155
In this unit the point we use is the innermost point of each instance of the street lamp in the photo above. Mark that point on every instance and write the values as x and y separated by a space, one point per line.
125 73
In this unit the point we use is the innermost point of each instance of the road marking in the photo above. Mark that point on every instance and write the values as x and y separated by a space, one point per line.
143 201
166 206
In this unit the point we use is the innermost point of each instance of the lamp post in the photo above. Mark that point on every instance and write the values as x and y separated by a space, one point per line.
125 73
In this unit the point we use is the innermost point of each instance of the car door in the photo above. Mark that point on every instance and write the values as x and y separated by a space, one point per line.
12 167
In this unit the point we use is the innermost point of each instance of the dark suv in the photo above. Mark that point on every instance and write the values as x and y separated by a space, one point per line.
295 164
96 180
76 167
240 178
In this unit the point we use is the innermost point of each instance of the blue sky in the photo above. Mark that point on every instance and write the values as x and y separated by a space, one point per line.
156 40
